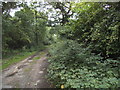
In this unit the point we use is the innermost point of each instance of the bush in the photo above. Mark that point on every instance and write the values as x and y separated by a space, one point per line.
76 67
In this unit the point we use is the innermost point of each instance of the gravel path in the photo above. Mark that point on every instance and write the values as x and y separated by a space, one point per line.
28 73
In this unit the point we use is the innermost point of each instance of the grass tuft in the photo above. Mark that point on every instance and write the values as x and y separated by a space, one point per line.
19 57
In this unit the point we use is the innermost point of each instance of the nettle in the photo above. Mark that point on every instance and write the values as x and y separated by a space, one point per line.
76 67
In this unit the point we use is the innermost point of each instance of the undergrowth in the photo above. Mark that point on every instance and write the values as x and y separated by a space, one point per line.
73 66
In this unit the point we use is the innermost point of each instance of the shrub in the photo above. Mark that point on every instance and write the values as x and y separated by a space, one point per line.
76 67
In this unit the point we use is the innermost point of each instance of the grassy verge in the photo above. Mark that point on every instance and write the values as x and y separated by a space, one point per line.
39 55
36 58
14 59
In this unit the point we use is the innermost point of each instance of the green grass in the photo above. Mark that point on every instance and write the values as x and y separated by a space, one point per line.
39 56
36 58
14 59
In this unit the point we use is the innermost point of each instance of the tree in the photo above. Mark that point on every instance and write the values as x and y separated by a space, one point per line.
27 28
101 33
62 9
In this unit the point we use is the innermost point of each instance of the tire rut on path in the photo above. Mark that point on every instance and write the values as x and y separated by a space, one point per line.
28 73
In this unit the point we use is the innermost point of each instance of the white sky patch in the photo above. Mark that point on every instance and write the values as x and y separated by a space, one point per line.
52 14
12 11
39 9
52 19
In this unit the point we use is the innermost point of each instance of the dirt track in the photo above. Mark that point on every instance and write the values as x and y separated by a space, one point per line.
28 73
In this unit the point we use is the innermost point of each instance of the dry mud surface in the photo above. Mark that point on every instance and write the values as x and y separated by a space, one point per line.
27 73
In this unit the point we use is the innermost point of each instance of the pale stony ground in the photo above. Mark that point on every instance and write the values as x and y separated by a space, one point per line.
28 73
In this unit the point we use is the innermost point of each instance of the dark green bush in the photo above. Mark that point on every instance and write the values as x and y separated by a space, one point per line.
98 27
76 67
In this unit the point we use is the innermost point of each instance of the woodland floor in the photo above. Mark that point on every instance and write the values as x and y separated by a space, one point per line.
28 73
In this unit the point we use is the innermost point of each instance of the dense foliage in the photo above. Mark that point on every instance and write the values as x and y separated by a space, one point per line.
25 30
92 58
84 40
74 66
98 26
